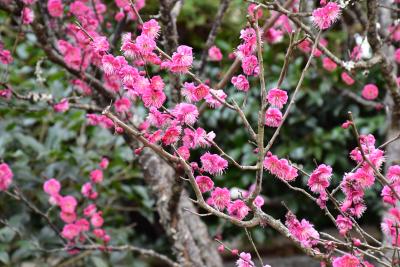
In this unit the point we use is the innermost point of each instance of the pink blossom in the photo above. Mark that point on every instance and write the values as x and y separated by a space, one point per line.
5 56
27 16
388 195
119 16
6 176
104 163
70 231
171 135
68 204
274 36
249 65
328 64
277 97
196 138
90 210
99 233
324 17
215 97
72 55
97 220
185 113
122 105
220 198
370 91
6 94
344 224
393 174
213 164
249 36
61 106
244 260
68 217
151 28
96 176
346 78
100 44
83 225
205 183
52 187
397 55
273 117
181 61
253 13
240 82
82 87
112 65
346 260
303 231
214 53
279 167
55 8
153 95
319 179
145 44
183 152
87 191
259 201
238 209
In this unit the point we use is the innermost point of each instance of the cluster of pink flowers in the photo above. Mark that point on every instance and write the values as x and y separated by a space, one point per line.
75 227
181 60
240 82
325 16
277 98
6 176
319 182
354 184
280 167
302 230
344 224
55 8
245 51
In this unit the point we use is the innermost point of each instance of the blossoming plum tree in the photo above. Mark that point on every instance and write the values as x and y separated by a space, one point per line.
149 69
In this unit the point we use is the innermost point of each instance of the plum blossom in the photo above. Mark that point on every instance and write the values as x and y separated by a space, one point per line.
344 224
6 176
324 17
370 91
329 64
97 220
27 16
303 231
259 201
205 183
96 176
244 260
273 117
346 260
238 209
214 53
181 60
213 164
346 78
277 97
68 204
70 231
319 178
240 82
220 198
279 167
61 106
151 28
250 65
185 113
197 137
122 105
52 187
55 8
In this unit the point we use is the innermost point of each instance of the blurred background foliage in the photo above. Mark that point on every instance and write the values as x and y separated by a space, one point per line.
40 144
